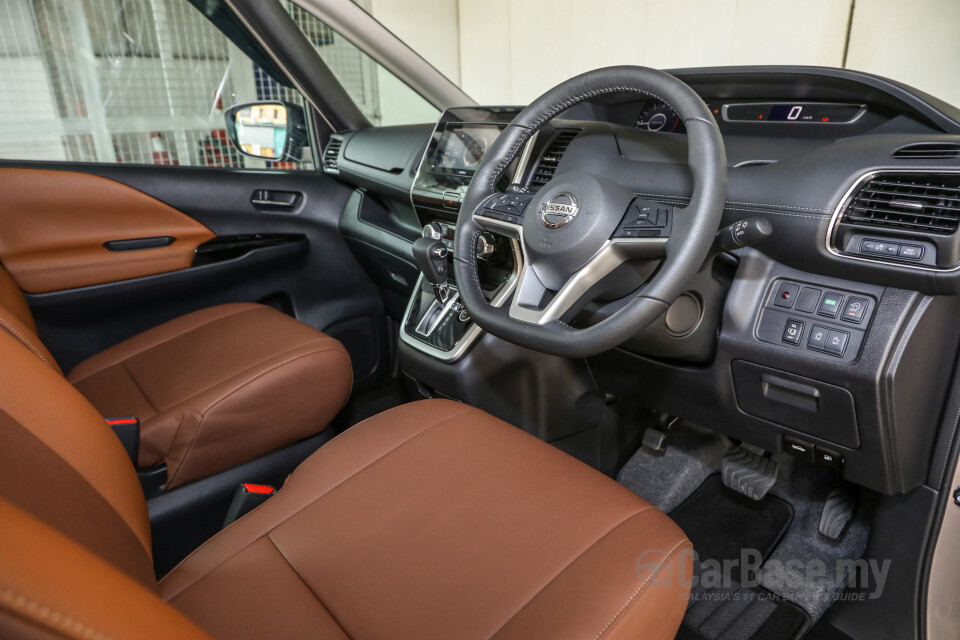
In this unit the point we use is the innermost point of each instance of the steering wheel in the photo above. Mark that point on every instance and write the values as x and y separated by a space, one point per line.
572 231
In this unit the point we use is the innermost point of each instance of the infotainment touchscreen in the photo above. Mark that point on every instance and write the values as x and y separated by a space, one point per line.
461 147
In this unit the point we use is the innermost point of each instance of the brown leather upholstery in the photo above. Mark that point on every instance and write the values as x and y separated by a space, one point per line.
51 587
61 462
53 225
433 520
436 520
219 387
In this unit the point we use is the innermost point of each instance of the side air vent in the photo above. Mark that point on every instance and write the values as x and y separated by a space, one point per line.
929 203
929 151
332 154
551 157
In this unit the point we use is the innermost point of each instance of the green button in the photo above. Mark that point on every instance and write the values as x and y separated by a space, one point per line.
830 301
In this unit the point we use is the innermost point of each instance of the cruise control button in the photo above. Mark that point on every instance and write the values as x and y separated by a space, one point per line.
786 294
830 305
836 342
792 331
818 337
854 310
911 252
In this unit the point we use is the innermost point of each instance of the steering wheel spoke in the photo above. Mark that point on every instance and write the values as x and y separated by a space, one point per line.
534 303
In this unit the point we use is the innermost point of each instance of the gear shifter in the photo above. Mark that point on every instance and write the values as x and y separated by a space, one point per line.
431 256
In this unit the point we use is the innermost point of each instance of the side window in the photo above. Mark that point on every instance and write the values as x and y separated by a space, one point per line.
124 81
379 94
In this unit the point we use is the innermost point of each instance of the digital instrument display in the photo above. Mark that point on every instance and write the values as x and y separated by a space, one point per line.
461 147
808 112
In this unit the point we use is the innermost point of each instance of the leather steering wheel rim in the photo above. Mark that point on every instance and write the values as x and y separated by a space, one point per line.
694 227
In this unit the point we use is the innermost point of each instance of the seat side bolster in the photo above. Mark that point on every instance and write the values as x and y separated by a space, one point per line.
53 587
283 400
26 335
646 557
357 448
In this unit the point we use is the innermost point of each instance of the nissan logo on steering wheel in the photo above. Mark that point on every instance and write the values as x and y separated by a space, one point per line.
559 210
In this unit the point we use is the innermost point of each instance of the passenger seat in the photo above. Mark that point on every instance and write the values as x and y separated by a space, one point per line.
212 389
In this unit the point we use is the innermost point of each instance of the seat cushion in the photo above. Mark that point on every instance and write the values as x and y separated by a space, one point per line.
219 387
436 520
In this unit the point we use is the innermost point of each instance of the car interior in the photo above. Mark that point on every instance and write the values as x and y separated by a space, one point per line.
660 354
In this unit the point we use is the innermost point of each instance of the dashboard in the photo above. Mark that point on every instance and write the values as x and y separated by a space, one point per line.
816 340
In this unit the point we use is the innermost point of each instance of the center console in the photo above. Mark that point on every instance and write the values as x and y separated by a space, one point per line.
435 322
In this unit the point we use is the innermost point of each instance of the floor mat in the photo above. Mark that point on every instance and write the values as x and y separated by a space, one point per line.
667 478
733 537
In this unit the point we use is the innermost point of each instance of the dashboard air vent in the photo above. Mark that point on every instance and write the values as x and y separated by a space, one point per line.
551 157
929 151
929 203
332 153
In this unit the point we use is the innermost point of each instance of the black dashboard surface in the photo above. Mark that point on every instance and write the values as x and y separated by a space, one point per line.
794 173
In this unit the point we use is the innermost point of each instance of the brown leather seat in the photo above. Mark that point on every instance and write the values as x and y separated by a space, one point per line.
212 389
433 520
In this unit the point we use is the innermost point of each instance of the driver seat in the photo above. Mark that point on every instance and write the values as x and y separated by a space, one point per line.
433 520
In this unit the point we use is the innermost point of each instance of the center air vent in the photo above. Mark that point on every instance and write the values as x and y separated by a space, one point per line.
929 151
547 166
917 202
332 154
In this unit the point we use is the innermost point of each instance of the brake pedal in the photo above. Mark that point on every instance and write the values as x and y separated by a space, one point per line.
749 473
837 512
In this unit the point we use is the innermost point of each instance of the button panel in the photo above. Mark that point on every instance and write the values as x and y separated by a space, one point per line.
854 309
808 299
645 219
786 294
792 332
830 304
506 207
822 322
899 250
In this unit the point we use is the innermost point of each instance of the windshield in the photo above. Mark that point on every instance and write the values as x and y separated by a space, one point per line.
510 51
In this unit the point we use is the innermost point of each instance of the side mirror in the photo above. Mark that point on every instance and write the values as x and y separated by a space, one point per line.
272 130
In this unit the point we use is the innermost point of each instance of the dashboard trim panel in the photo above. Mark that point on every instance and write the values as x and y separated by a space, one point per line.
830 244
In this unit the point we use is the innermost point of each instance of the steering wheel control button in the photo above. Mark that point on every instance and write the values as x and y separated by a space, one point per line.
836 342
818 338
830 305
792 332
911 252
786 295
508 204
854 309
808 299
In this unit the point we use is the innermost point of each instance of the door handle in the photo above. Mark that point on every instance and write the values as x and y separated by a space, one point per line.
269 199
136 244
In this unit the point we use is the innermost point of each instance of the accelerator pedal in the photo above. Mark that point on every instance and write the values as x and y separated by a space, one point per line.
749 473
837 512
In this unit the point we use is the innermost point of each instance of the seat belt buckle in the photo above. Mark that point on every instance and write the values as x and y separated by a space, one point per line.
248 497
127 430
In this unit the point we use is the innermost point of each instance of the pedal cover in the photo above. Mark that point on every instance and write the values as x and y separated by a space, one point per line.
837 512
749 473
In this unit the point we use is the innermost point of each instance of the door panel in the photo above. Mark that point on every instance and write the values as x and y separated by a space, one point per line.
300 263
62 230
